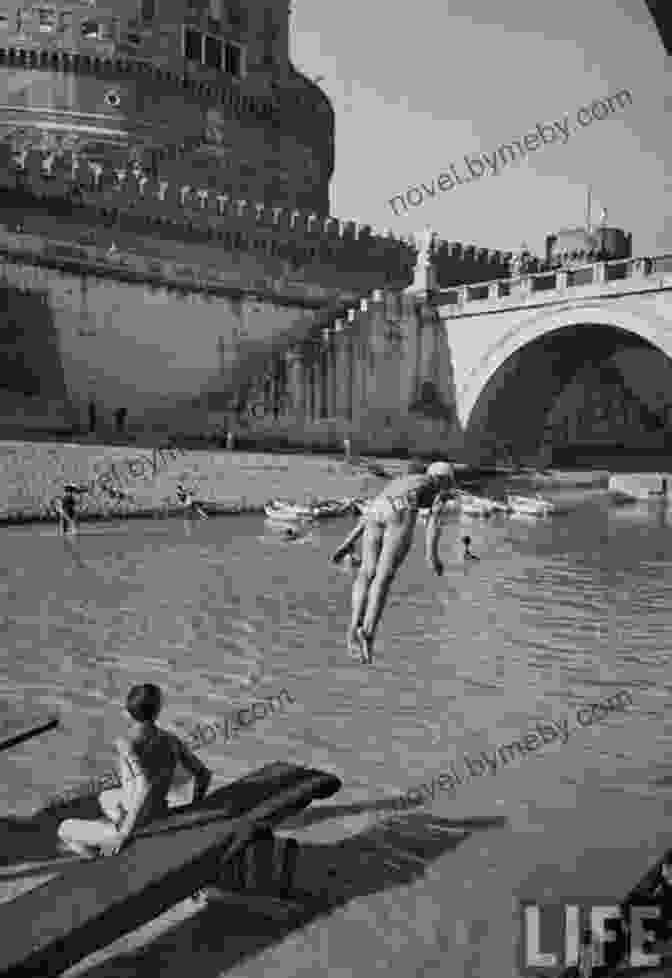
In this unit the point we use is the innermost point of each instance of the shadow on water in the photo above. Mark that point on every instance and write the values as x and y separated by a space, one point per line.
214 937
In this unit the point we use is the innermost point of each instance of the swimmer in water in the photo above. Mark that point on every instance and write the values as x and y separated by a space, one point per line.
148 758
387 529
468 555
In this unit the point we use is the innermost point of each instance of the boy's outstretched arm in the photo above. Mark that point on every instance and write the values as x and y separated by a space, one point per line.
349 543
195 766
139 792
432 535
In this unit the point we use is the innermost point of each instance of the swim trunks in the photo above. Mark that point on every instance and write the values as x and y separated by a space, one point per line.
396 507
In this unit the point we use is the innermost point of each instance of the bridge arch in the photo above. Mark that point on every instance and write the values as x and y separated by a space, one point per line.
511 393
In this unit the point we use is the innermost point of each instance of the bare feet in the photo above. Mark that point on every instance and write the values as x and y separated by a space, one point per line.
365 642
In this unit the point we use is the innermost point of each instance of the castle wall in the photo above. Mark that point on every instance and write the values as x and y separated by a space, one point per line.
382 377
169 170
108 82
128 344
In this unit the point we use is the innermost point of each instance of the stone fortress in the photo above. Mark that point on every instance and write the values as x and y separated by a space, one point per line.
167 247
166 236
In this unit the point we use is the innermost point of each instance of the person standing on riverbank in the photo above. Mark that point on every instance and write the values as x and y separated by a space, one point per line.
387 530
66 507
187 499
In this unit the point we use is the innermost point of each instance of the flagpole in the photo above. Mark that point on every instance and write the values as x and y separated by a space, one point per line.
588 210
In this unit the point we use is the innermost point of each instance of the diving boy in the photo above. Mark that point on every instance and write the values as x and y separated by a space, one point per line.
387 529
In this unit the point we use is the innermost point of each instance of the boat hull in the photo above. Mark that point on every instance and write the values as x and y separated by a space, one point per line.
525 506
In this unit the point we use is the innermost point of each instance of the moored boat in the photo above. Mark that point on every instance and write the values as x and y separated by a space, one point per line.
641 487
478 506
328 508
280 509
530 505
500 507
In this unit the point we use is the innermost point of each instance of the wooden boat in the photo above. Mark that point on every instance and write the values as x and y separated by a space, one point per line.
50 928
328 508
451 506
288 512
530 505
650 894
642 487
478 506
360 506
500 507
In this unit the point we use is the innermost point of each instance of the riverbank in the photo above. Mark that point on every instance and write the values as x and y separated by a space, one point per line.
32 475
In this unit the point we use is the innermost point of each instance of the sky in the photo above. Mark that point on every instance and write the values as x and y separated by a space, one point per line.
416 88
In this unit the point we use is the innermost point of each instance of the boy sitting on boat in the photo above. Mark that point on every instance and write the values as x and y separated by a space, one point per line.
148 759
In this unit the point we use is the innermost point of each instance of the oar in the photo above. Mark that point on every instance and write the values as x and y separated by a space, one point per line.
25 733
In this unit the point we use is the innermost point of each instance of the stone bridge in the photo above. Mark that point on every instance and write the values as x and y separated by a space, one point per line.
575 360
572 366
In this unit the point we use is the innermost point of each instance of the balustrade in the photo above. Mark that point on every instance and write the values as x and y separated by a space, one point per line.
557 280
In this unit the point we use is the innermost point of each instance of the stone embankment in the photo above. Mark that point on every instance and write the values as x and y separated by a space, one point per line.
33 474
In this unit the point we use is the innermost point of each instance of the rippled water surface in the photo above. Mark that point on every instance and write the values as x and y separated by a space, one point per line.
556 613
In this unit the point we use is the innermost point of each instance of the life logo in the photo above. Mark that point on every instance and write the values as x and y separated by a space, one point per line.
585 936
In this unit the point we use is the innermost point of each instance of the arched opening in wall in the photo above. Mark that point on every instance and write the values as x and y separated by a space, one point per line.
586 395
32 379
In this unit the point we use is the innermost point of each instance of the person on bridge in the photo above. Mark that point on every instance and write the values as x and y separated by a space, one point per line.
387 529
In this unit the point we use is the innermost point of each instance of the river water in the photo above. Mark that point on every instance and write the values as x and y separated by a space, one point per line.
558 612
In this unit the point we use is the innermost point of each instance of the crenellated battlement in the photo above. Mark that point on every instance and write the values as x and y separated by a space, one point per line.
456 263
131 193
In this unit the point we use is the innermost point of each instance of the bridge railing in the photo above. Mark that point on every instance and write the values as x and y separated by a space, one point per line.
557 280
